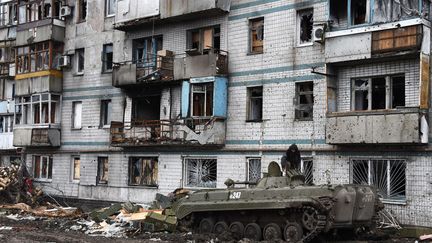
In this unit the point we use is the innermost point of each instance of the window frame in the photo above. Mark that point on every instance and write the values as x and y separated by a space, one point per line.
74 112
248 169
100 169
251 30
49 168
215 34
79 56
105 59
309 179
298 106
73 177
249 104
28 103
37 57
205 92
108 7
105 113
156 174
186 176
299 14
82 11
388 90
370 160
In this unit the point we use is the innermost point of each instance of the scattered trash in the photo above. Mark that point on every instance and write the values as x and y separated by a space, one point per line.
5 228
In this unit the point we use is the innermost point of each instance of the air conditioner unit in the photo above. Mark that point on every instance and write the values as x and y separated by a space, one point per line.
318 32
64 61
65 11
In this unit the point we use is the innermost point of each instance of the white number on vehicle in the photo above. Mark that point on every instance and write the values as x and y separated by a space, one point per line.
235 195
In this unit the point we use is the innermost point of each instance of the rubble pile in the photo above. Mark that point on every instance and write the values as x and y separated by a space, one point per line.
8 176
16 186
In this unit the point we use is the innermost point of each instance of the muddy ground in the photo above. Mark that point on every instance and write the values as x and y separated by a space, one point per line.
59 230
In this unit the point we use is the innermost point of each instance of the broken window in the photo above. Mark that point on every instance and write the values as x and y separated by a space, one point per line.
6 124
304 101
254 169
203 39
145 51
338 14
359 11
378 93
202 100
82 10
42 167
387 175
143 171
110 7
256 35
105 113
306 167
37 109
200 172
76 163
79 61
145 108
255 103
102 174
76 114
8 13
30 11
37 57
305 26
107 58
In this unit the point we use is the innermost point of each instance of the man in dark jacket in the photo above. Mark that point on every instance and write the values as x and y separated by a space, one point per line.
292 159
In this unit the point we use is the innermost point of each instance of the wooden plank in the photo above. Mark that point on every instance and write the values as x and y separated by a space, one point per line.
424 81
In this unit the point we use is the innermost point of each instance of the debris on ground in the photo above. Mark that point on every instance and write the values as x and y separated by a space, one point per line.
388 221
425 237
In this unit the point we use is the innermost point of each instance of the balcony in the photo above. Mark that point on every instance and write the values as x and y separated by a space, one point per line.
36 136
196 65
376 41
399 126
153 69
131 14
39 31
183 132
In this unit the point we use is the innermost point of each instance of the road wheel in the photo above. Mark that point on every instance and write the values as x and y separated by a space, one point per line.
236 229
293 232
220 227
272 231
253 231
206 226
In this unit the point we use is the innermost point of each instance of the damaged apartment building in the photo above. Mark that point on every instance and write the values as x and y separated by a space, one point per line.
118 100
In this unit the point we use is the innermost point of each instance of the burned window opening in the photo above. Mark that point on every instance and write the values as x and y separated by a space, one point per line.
143 171
305 22
105 113
254 169
387 175
359 12
102 176
304 101
145 108
82 10
255 103
256 36
378 93
338 13
204 39
201 172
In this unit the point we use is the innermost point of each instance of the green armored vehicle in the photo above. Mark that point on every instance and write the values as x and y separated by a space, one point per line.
279 207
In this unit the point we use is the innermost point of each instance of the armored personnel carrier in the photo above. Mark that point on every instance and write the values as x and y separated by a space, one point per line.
279 207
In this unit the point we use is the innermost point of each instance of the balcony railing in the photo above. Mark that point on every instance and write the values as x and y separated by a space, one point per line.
153 68
169 132
398 126
196 65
